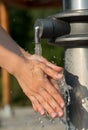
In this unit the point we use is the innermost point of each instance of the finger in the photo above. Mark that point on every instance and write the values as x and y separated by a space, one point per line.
46 105
49 110
50 100
55 84
55 67
50 72
37 106
51 65
46 62
34 107
56 94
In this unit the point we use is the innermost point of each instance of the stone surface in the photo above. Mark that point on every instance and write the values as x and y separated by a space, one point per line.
24 118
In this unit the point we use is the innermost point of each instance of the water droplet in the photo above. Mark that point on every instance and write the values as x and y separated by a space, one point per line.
41 121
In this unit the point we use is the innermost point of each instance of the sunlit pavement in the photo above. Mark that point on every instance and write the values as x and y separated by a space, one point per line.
26 119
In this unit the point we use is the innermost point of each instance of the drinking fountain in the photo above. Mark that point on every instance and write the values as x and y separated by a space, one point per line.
69 29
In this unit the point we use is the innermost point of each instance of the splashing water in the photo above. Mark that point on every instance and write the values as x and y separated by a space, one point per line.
65 90
47 120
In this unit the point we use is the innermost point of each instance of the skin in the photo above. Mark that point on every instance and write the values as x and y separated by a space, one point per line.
36 76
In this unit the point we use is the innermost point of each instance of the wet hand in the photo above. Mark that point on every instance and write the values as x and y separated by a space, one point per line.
37 78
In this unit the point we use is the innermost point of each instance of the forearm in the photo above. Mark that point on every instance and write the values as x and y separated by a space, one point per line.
11 54
9 60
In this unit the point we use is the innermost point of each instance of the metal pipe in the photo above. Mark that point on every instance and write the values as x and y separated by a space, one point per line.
76 74
75 4
76 67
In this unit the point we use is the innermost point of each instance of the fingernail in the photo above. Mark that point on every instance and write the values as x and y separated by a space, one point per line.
54 115
60 76
60 114
62 105
42 112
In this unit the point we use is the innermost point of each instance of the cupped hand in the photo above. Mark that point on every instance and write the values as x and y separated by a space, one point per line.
37 77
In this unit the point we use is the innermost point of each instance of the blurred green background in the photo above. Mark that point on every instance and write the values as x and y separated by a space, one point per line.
22 31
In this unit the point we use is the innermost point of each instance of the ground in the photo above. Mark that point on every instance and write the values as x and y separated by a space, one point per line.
24 118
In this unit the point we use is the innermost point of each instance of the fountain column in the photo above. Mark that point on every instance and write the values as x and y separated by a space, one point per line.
76 62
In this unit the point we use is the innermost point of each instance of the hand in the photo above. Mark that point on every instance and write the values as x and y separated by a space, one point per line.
37 78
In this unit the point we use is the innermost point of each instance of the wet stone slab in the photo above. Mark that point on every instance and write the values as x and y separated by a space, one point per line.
27 119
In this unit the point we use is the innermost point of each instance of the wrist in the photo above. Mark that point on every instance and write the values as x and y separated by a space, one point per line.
20 63
17 66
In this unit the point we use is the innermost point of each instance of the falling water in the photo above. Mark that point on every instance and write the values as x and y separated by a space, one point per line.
38 47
